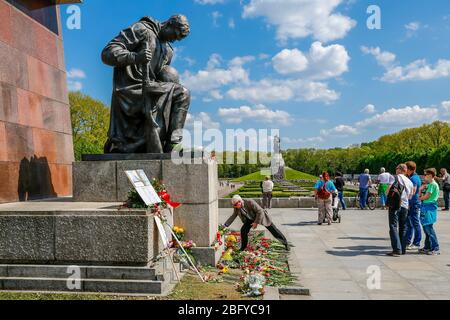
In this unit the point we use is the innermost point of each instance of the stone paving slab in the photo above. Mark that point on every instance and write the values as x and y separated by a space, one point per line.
333 260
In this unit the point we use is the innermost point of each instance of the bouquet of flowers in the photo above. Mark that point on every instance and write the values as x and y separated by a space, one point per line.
179 233
253 285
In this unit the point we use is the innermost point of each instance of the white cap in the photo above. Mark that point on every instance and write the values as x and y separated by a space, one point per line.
236 198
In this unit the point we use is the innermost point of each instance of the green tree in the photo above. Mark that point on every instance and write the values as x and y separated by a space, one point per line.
90 122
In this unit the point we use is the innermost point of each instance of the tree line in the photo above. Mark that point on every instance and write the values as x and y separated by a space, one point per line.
428 146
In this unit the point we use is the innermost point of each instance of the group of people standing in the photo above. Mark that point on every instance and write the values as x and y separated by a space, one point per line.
411 201
417 210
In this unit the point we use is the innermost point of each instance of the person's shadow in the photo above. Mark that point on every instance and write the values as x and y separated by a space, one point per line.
353 251
301 224
35 179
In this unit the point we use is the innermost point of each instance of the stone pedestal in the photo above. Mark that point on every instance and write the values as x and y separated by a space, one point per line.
194 184
91 237
114 250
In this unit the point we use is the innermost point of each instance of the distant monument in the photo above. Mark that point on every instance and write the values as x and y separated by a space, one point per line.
149 105
277 163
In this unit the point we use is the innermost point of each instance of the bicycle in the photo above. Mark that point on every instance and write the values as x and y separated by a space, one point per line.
371 199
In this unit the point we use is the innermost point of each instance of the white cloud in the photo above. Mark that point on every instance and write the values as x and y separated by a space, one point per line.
231 23
328 62
446 107
339 131
312 140
322 62
216 15
205 2
302 18
214 77
76 74
370 108
290 61
74 85
413 26
272 90
234 76
190 62
202 117
384 58
259 113
74 77
394 118
401 117
240 61
216 94
418 70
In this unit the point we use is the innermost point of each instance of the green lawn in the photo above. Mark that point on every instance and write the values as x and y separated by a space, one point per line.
189 288
291 174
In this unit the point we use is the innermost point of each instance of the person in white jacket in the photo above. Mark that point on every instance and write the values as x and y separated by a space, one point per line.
267 187
398 218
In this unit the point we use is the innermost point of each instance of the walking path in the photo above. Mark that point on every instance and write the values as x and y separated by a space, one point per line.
226 190
334 260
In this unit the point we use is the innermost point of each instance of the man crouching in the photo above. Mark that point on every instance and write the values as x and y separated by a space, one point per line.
252 215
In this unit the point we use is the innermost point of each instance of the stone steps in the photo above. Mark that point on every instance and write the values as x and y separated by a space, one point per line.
92 279
86 272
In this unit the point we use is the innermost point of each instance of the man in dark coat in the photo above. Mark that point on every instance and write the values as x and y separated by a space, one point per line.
141 55
252 215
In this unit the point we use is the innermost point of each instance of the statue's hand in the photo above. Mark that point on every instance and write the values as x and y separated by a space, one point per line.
143 56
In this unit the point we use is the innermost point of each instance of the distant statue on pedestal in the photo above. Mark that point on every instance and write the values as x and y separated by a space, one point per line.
149 105
277 163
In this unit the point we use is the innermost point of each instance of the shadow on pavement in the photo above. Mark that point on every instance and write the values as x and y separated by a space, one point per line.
359 250
305 223
363 238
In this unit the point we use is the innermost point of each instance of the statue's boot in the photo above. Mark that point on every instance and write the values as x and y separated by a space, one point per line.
180 107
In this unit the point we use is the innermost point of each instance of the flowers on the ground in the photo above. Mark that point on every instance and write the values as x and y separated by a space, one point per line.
227 256
263 256
224 270
252 285
231 239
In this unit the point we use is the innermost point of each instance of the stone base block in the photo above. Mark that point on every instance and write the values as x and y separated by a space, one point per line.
194 184
207 256
200 221
106 181
105 237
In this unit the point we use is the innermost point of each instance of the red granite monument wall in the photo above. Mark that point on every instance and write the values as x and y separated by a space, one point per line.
36 150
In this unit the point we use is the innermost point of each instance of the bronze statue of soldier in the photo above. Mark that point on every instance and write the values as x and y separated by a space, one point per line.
149 105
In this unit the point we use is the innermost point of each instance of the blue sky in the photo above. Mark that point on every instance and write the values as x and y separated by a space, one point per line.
310 68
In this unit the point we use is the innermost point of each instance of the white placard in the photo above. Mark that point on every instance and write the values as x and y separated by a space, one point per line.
162 233
140 182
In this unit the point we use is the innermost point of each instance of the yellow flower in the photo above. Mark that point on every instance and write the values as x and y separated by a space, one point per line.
181 230
231 239
227 256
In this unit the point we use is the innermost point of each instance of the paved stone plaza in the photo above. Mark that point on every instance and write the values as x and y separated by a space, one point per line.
333 260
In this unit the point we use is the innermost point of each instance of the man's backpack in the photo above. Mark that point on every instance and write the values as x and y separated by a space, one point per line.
394 196
323 193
